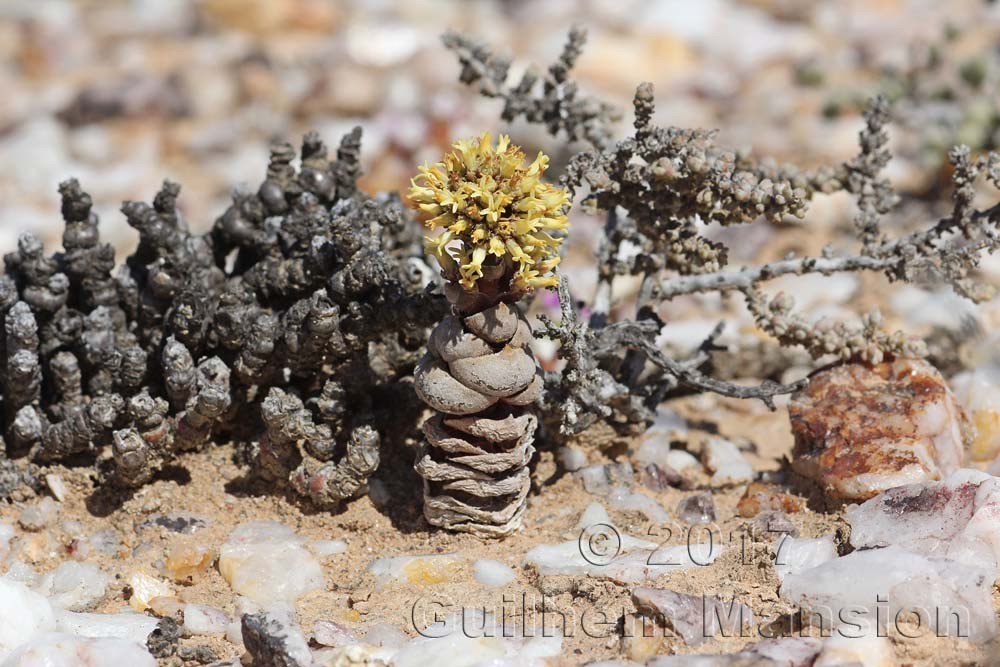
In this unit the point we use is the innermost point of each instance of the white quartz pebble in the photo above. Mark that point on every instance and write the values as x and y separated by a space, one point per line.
594 515
74 586
324 548
623 498
427 569
695 618
680 459
619 557
125 625
146 587
201 619
329 633
24 614
472 637
60 650
905 581
492 573
267 562
654 443
39 515
783 651
280 622
539 647
840 650
22 573
792 555
386 635
601 479
725 460
243 605
572 458
957 518
57 486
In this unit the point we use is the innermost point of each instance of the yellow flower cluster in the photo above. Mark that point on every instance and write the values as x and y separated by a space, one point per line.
496 212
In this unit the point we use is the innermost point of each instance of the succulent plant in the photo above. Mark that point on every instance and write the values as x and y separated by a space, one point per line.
278 330
503 228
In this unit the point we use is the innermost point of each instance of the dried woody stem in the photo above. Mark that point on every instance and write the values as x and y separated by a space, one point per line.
657 186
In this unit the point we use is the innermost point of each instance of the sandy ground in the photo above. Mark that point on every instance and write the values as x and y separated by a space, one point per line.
207 484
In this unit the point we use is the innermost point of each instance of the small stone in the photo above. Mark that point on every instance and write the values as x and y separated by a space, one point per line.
539 647
642 639
352 655
126 625
891 583
867 651
167 605
242 607
57 486
186 558
274 640
492 573
328 633
386 635
267 562
105 541
770 525
24 615
145 588
201 619
572 458
39 515
177 522
957 518
423 570
861 429
601 479
680 460
697 509
792 555
74 586
760 497
593 515
383 43
22 573
472 637
60 650
725 460
979 392
781 652
607 553
623 498
657 478
695 618
379 493
326 548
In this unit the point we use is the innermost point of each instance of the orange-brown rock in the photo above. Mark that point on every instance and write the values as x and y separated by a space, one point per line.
861 429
